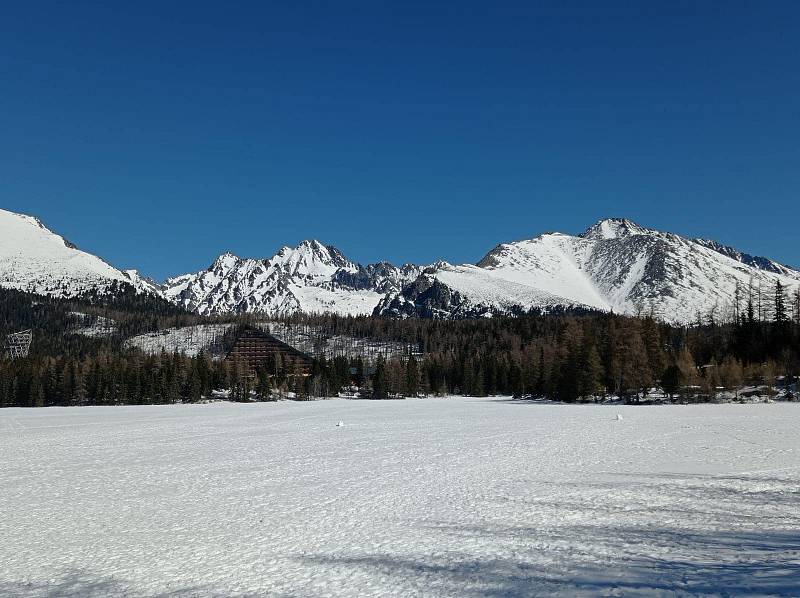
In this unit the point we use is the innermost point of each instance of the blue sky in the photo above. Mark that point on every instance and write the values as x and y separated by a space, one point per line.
159 135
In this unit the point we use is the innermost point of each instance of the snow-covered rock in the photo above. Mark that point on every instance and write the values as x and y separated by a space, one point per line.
310 278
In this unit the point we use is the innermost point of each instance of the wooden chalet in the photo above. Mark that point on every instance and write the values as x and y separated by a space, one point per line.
257 349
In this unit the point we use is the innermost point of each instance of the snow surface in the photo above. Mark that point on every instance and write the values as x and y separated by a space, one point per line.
438 497
350 302
540 272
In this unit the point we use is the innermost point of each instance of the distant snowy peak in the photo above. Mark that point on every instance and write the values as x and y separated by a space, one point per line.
614 265
225 263
613 228
35 259
311 277
311 259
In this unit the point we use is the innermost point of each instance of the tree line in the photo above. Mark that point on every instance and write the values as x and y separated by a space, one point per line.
567 357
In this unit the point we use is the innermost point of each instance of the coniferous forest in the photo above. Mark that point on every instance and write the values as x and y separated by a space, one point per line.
560 356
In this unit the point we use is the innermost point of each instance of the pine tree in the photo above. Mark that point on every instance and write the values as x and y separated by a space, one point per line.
412 377
568 388
379 379
671 380
541 379
631 369
361 379
656 356
298 382
478 385
769 374
195 384
688 369
592 373
515 380
79 396
779 314
264 389
710 380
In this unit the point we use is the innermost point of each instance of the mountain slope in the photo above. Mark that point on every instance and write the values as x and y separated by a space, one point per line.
311 278
614 265
35 259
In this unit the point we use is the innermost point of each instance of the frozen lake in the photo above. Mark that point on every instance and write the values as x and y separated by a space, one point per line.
439 497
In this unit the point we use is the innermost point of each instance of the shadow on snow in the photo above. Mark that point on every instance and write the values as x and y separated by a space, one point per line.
607 558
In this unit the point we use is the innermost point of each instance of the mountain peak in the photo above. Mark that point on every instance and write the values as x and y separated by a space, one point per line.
226 261
309 277
319 248
310 255
311 244
24 217
612 228
36 259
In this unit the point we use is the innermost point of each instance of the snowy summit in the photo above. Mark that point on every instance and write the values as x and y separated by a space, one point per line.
35 259
614 265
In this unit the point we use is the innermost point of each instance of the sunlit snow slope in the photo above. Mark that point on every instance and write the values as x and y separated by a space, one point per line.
614 265
37 260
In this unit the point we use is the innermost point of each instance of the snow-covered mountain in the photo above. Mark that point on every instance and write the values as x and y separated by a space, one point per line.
614 265
311 278
35 259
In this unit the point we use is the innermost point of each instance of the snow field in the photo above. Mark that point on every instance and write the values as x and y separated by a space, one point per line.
189 340
436 497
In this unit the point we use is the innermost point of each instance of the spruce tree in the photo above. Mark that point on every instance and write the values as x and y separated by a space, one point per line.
780 316
592 373
379 379
689 375
195 384
412 377
671 380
